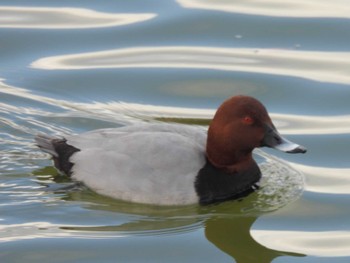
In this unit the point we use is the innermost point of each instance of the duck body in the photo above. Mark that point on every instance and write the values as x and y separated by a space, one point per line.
139 163
167 164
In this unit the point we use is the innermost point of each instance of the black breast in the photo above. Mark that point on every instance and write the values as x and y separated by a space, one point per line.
215 185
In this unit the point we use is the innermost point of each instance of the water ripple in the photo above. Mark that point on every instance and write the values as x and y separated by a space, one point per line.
325 179
313 65
127 113
288 8
64 18
315 243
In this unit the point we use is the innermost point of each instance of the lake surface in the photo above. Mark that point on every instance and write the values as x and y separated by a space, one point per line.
74 66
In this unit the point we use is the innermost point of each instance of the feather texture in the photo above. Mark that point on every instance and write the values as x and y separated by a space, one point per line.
145 163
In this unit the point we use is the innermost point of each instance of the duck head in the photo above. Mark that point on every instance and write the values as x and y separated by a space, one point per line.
241 124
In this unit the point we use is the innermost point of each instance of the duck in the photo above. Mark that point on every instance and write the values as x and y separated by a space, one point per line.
172 164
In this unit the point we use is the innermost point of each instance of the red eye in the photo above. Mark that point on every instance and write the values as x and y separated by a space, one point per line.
248 120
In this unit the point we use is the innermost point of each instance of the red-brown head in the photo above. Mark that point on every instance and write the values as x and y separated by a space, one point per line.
241 124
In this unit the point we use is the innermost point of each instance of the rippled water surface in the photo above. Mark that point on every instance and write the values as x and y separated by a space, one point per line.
74 66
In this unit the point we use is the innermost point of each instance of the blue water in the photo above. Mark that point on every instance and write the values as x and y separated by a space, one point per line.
74 66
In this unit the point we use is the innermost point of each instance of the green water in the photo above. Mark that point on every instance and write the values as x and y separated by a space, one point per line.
97 64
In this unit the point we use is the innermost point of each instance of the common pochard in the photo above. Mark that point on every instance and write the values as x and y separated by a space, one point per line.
172 164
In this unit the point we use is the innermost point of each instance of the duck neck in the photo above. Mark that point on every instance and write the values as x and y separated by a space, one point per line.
232 162
230 155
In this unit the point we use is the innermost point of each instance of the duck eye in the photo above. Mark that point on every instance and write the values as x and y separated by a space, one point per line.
248 120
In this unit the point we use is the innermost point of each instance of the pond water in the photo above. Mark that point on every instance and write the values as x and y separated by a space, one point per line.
74 66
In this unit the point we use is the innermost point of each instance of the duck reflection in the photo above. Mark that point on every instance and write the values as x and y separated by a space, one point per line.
232 236
226 225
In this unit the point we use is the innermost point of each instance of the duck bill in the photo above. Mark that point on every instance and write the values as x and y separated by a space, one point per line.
274 140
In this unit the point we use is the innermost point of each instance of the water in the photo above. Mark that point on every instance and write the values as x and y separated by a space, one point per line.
74 66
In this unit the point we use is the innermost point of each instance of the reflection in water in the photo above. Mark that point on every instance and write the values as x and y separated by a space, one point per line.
64 18
326 180
303 124
226 226
231 235
322 244
32 230
318 66
287 8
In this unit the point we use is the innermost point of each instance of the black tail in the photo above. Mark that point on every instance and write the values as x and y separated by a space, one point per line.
59 150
